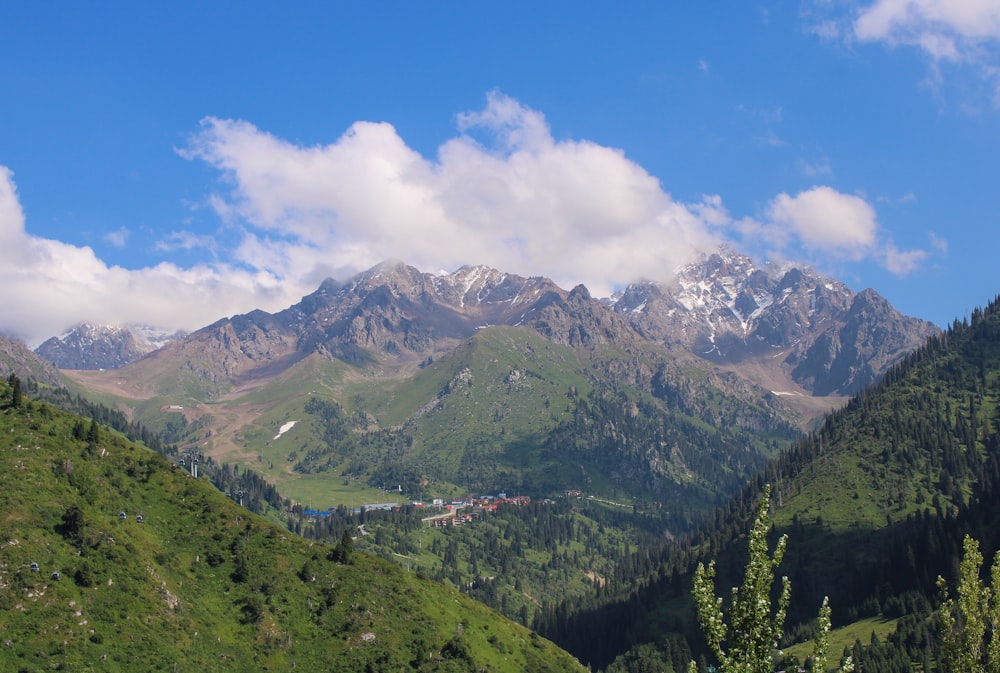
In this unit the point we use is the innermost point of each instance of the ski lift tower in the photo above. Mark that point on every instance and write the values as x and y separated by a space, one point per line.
190 459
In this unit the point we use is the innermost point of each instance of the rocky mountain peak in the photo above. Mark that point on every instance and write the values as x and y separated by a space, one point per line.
90 346
16 358
868 301
727 309
392 274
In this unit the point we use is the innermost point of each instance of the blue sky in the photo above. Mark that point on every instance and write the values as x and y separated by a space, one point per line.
173 163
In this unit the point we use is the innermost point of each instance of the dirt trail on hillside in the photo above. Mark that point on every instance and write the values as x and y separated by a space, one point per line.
109 382
227 425
221 436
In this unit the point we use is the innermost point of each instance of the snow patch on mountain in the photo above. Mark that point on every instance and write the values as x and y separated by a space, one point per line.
284 428
726 308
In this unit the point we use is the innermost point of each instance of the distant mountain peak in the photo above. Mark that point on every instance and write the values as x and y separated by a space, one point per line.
728 309
95 346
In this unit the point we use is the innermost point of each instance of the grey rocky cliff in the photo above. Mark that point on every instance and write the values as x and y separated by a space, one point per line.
89 346
726 309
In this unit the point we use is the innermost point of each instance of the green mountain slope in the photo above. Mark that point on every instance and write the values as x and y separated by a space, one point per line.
200 583
902 472
508 410
926 432
505 410
875 504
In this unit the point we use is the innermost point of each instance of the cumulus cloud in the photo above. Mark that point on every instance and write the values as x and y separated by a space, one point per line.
825 219
945 29
49 285
504 192
826 225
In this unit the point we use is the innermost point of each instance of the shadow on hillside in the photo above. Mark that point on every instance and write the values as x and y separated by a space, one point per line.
865 572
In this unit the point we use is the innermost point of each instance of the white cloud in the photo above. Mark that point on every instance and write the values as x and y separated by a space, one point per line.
11 215
49 285
118 238
902 262
825 219
503 192
711 210
517 126
963 34
945 29
826 225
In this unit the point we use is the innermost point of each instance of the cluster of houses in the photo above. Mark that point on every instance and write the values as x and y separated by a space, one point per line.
454 513
465 510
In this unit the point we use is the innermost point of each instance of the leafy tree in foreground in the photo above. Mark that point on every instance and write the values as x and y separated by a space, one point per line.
969 624
753 633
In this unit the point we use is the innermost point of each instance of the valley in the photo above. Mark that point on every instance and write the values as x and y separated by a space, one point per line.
391 346
635 449
500 338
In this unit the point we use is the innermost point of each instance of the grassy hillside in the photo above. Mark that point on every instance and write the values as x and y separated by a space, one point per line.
506 410
875 504
200 583
510 411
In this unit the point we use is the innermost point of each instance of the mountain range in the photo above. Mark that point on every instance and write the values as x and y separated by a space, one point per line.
802 326
798 326
480 379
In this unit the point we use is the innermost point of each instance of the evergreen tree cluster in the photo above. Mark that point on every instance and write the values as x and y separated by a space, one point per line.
915 460
101 414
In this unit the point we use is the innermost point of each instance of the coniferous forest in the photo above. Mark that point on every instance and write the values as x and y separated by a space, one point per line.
876 503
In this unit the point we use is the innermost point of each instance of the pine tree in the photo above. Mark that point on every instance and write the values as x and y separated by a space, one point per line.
342 552
93 432
16 394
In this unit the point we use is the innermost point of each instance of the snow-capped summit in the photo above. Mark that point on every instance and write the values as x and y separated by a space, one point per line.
88 346
727 309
